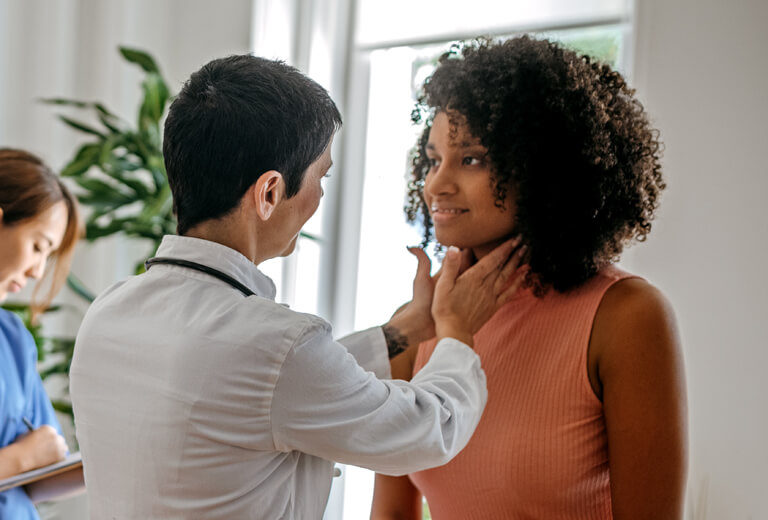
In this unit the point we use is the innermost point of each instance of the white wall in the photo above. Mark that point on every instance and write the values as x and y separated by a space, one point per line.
68 48
701 70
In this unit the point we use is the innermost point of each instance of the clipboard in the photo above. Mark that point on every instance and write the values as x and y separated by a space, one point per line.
71 462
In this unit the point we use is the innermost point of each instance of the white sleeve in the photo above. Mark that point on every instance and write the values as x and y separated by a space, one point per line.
369 348
327 405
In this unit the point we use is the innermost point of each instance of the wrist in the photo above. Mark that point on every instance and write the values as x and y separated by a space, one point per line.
15 460
408 330
397 342
455 331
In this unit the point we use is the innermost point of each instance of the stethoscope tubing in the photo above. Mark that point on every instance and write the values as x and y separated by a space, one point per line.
201 268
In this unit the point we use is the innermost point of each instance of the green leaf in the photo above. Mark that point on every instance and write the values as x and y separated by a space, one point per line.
57 369
140 58
87 157
107 149
65 102
79 288
62 406
103 110
103 190
111 123
77 125
79 104
152 108
126 165
140 267
138 187
61 345
89 151
21 309
115 226
310 236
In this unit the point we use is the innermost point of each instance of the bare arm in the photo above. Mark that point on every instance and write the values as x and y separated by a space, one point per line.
395 498
639 363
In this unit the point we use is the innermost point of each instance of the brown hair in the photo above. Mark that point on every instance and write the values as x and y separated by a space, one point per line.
27 188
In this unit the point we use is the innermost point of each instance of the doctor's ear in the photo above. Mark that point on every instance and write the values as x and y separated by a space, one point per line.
267 192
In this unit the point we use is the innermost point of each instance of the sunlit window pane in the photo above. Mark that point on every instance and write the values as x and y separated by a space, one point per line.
380 22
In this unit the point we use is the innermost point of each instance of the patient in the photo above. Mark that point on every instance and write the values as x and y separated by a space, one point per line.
586 416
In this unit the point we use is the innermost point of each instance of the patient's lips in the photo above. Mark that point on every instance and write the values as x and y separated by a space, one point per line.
444 214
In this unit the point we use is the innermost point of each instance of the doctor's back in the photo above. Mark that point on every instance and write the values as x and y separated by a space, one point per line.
173 399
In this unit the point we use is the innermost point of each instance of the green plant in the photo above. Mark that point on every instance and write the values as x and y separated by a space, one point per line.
120 170
122 184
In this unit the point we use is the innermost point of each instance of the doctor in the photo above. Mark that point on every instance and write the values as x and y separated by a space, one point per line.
196 395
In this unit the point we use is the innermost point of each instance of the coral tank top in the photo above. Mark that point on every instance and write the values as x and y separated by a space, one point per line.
540 450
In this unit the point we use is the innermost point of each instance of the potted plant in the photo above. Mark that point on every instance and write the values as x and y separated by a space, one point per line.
122 184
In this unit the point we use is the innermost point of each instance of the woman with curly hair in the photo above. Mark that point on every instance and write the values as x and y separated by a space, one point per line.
586 415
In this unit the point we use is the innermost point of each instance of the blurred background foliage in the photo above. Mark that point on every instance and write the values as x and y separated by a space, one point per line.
122 186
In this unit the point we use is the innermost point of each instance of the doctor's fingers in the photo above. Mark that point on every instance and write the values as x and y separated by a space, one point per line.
510 291
510 267
492 263
487 269
423 268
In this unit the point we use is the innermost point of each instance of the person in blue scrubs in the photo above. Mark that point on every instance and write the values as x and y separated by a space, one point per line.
38 221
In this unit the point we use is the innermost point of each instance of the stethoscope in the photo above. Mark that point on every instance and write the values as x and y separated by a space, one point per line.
202 268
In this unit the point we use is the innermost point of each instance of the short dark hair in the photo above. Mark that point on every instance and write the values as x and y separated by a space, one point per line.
234 119
565 136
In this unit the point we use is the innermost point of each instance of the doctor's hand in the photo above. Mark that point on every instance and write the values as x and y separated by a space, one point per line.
41 447
464 300
412 323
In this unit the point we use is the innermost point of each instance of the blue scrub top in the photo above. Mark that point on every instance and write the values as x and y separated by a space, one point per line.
21 395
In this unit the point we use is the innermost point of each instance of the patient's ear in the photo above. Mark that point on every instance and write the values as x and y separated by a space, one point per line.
266 193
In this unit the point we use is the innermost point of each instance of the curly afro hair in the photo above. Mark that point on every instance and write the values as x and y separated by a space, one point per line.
564 135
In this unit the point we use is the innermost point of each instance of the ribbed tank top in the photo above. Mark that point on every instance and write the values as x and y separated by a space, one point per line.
540 450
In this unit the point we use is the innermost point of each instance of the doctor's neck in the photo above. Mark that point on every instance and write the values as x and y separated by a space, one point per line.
234 232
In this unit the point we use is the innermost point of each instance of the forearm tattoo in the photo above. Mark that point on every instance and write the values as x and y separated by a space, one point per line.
396 342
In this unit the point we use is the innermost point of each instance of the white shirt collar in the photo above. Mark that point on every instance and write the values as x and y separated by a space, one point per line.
221 257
